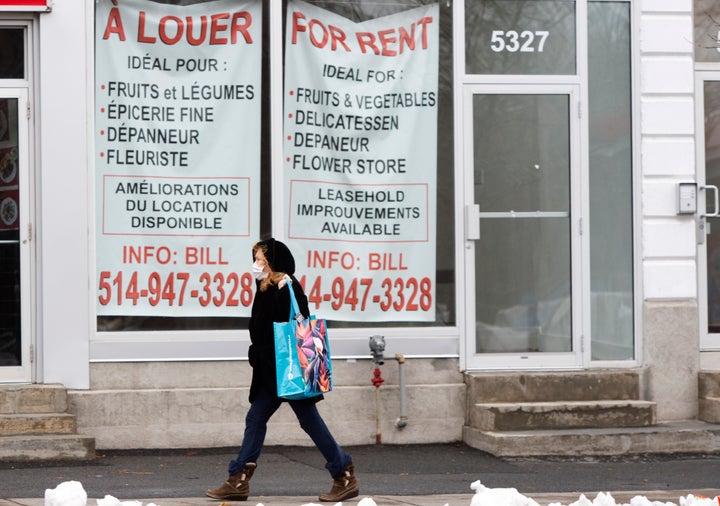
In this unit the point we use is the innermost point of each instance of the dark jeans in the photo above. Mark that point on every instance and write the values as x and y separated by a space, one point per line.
311 422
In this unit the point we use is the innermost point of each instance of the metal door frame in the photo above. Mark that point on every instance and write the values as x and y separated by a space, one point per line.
708 341
23 372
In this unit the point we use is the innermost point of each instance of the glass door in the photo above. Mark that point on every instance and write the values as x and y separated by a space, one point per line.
15 357
522 226
708 219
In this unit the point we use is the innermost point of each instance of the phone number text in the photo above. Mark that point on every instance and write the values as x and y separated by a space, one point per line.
174 288
232 290
399 294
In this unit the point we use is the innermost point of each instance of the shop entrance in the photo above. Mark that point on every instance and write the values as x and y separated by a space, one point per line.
522 227
708 218
15 233
14 243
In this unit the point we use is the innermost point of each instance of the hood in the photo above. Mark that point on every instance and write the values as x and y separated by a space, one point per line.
279 256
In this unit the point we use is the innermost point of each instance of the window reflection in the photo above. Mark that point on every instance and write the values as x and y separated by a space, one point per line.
611 205
520 37
707 30
10 338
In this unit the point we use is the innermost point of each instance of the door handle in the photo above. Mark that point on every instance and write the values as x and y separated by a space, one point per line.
701 225
472 222
716 208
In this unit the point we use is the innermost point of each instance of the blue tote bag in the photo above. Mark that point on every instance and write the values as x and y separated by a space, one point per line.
303 366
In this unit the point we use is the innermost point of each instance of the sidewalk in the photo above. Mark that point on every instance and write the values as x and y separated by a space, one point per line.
435 474
389 500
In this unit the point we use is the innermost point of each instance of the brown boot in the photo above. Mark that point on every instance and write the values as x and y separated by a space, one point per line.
237 486
344 486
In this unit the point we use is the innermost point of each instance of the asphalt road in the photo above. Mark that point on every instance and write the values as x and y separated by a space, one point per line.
381 470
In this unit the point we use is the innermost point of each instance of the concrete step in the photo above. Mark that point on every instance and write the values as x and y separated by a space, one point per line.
709 409
516 387
565 414
16 399
37 424
690 436
709 396
708 384
46 448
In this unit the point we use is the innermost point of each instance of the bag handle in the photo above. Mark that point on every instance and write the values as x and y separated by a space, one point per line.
294 308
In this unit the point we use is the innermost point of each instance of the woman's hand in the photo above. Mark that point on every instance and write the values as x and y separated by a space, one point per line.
285 279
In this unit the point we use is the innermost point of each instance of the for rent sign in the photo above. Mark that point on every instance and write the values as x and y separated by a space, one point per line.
361 162
178 156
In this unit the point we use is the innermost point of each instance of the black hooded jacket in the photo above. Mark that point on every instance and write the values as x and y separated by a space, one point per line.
272 305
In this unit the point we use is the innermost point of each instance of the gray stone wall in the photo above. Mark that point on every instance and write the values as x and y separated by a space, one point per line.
203 404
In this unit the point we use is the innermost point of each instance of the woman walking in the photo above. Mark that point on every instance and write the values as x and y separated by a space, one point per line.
274 269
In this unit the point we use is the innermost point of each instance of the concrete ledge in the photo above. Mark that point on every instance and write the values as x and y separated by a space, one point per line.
233 374
709 409
672 437
493 387
709 384
32 399
45 448
546 415
214 417
203 404
13 425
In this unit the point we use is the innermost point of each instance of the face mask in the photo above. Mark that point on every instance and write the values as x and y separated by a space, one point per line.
258 272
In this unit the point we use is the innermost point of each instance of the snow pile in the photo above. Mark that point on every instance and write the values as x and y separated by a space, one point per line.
68 493
365 501
109 500
495 496
485 496
71 493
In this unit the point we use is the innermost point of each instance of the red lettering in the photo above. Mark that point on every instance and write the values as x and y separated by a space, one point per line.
203 31
216 27
241 22
424 22
392 42
385 39
114 25
320 35
180 28
141 30
172 29
407 38
365 40
296 27
337 35
325 36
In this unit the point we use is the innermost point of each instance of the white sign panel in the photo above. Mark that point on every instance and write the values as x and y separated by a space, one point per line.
177 156
361 161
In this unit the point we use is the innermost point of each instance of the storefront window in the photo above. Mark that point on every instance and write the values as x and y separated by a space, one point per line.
707 31
179 122
520 37
12 53
611 203
440 297
10 342
373 60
